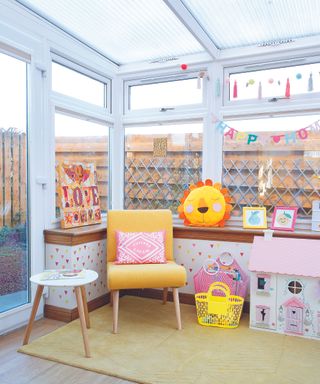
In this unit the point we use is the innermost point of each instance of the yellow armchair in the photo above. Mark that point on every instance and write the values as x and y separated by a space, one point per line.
129 276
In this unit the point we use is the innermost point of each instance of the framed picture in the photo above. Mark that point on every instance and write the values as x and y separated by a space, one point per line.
254 217
78 192
284 218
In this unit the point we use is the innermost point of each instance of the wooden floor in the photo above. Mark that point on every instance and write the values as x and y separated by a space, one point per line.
18 368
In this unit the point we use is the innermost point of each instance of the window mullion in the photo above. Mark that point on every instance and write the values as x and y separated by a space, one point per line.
212 140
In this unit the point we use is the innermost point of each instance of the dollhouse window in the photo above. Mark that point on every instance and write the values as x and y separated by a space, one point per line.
262 314
263 283
295 287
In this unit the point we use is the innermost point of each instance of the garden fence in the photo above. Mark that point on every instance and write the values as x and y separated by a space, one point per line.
13 177
286 175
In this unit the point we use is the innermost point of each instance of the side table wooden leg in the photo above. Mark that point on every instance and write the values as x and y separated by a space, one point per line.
33 314
85 305
177 307
83 322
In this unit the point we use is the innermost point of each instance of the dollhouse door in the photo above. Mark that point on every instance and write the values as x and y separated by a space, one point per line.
294 320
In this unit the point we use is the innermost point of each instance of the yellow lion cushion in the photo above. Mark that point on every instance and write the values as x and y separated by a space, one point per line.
205 205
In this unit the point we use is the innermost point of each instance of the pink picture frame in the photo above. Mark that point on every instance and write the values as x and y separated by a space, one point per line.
284 218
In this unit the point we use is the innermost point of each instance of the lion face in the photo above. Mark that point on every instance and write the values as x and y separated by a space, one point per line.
204 206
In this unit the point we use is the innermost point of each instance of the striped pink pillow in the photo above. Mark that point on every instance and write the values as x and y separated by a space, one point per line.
140 247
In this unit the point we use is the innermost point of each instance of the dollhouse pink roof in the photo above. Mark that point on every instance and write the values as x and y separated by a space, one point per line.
298 257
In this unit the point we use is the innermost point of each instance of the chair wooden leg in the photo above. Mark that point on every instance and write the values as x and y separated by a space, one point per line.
83 322
33 314
115 298
177 307
165 295
85 305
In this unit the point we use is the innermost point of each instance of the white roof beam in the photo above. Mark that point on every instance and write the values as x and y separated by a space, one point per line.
191 23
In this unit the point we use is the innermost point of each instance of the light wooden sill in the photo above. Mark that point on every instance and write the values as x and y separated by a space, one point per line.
98 232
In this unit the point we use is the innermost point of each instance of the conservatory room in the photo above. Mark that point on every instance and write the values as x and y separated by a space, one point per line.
159 191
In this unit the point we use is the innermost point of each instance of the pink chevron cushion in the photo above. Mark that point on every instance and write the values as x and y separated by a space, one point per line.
140 247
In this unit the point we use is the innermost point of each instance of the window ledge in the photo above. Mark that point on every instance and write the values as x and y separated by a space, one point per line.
87 234
235 234
75 236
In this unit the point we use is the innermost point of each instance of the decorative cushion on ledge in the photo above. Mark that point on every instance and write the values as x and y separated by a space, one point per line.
140 247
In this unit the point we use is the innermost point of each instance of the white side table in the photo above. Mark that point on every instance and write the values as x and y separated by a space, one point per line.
79 285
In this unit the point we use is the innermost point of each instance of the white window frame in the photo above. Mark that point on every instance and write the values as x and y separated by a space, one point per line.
164 78
26 35
260 66
80 109
303 104
167 123
27 48
89 73
236 221
180 114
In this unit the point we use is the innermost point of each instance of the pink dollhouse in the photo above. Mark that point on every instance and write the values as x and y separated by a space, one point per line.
285 286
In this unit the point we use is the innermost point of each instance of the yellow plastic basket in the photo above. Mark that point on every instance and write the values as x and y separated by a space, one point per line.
218 311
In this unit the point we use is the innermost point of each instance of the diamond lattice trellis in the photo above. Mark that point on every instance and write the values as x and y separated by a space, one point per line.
154 183
289 182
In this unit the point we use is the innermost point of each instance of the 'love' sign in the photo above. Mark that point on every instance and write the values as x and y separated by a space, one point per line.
79 197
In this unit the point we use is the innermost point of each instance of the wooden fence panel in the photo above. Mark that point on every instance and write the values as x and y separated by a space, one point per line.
13 198
7 203
15 179
1 177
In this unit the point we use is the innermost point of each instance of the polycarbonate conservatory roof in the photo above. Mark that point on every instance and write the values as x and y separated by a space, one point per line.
125 31
128 31
239 23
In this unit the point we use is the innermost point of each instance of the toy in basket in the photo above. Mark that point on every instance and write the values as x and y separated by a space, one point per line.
223 269
219 311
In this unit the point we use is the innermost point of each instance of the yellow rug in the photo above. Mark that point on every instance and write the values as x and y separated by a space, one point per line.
148 349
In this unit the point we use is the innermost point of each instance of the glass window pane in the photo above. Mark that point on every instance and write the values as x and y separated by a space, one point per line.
14 244
168 94
84 141
274 82
77 85
160 163
269 172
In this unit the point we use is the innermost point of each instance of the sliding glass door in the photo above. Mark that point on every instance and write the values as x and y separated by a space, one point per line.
14 233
